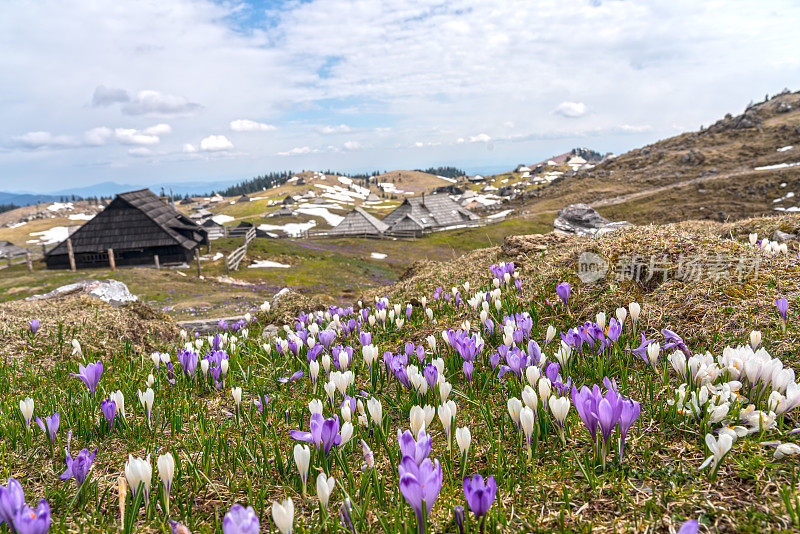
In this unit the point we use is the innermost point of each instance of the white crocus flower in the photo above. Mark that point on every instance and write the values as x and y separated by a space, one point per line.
315 406
166 470
302 459
621 314
463 439
330 390
530 398
147 399
417 419
139 471
545 389
635 310
325 486
375 411
600 319
446 418
119 400
346 432
237 396
533 374
551 334
283 515
514 409
786 449
444 390
526 421
719 448
26 407
755 339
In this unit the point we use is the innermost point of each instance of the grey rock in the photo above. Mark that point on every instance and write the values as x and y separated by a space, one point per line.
113 292
783 237
206 326
270 331
783 107
582 219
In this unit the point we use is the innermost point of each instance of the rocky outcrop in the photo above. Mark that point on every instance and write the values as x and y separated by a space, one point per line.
113 292
582 219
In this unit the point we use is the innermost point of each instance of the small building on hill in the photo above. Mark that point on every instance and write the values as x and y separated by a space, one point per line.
373 198
359 223
10 250
428 212
288 200
213 229
243 198
283 212
137 225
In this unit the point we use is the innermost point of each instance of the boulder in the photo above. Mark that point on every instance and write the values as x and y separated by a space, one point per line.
783 107
113 292
783 237
582 219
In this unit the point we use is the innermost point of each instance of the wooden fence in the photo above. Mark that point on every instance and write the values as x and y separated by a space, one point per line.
233 259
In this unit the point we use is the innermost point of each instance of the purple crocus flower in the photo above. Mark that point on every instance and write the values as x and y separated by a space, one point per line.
629 414
642 350
494 360
32 520
614 330
12 499
296 376
240 520
326 337
365 338
109 408
179 528
467 367
324 432
516 360
431 374
689 527
79 467
345 512
420 484
33 326
609 410
563 290
50 426
408 311
188 360
90 375
416 449
783 308
674 341
480 495
586 401
261 402
458 515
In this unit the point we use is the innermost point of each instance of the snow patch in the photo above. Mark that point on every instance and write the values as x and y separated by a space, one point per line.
777 166
291 229
377 255
81 217
785 148
58 206
266 264
499 214
221 218
56 234
316 210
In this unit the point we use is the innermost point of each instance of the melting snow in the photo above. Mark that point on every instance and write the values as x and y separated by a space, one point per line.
777 166
499 214
785 148
217 256
266 263
793 208
790 194
17 225
56 234
317 210
292 229
81 217
58 206
377 255
221 218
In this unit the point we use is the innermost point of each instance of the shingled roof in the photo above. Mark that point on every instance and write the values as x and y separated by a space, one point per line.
135 220
431 211
359 222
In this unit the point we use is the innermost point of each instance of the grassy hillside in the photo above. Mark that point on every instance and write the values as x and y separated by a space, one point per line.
550 474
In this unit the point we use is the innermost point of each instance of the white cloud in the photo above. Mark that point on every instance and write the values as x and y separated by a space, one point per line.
131 136
97 136
105 96
154 103
189 148
297 151
214 143
41 139
342 128
140 151
480 138
571 110
246 125
352 145
158 129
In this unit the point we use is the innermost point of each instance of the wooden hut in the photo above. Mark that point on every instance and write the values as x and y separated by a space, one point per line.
359 223
420 214
243 198
10 250
213 229
137 225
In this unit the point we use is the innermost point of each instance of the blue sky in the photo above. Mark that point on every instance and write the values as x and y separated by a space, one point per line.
139 92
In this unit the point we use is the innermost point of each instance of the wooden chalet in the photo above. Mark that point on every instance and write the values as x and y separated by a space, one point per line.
359 223
138 226
417 215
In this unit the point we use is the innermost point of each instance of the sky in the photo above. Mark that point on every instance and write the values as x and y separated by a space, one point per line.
143 91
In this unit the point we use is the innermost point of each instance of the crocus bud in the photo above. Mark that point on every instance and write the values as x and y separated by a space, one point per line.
463 439
325 486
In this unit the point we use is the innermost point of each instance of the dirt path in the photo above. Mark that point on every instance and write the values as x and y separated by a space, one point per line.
655 190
